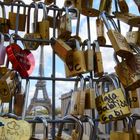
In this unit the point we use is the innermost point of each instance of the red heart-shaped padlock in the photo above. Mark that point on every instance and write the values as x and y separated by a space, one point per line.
22 60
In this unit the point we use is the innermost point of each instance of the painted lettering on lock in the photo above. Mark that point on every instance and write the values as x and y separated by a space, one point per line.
73 67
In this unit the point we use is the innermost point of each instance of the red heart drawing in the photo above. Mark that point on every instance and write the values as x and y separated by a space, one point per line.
22 60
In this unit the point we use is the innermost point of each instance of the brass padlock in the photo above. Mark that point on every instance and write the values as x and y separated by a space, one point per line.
48 2
89 55
123 6
133 37
30 45
8 1
105 5
76 64
128 77
133 99
44 24
98 68
2 49
128 18
8 85
15 129
100 32
118 41
63 50
18 24
90 95
111 105
77 104
4 22
79 129
65 27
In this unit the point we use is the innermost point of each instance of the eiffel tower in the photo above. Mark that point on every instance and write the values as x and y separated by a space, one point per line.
40 86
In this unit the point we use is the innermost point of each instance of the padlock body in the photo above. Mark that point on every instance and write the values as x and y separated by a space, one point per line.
119 43
4 25
90 98
123 6
30 45
77 65
21 21
127 76
99 70
133 37
112 105
48 2
133 99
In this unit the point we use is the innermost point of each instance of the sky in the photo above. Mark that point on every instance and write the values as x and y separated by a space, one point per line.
64 87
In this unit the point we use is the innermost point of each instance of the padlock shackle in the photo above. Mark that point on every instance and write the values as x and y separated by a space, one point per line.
104 17
35 16
96 46
88 43
45 15
134 47
90 80
82 83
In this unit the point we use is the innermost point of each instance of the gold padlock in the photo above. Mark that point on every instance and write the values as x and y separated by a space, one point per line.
18 24
100 32
128 18
63 50
65 27
8 85
133 99
123 6
90 95
89 55
133 37
98 68
78 98
118 41
111 105
105 5
8 1
4 22
44 24
30 45
48 2
75 65
129 78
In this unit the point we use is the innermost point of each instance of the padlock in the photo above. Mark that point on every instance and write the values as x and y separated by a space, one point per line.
8 85
79 131
63 50
69 3
17 17
123 6
90 95
19 99
16 129
44 24
98 68
65 27
138 4
118 41
111 105
32 45
22 59
128 18
4 22
45 127
3 70
100 32
133 99
8 1
48 2
78 98
127 134
89 55
128 77
76 64
105 5
2 49
133 37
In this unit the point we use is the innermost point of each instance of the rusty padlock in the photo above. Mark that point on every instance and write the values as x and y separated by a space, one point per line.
35 34
118 41
4 22
100 32
17 20
44 24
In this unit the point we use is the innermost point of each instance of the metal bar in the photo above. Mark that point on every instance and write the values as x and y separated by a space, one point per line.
88 28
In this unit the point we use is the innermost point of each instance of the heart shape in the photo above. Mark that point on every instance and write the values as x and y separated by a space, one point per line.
22 60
